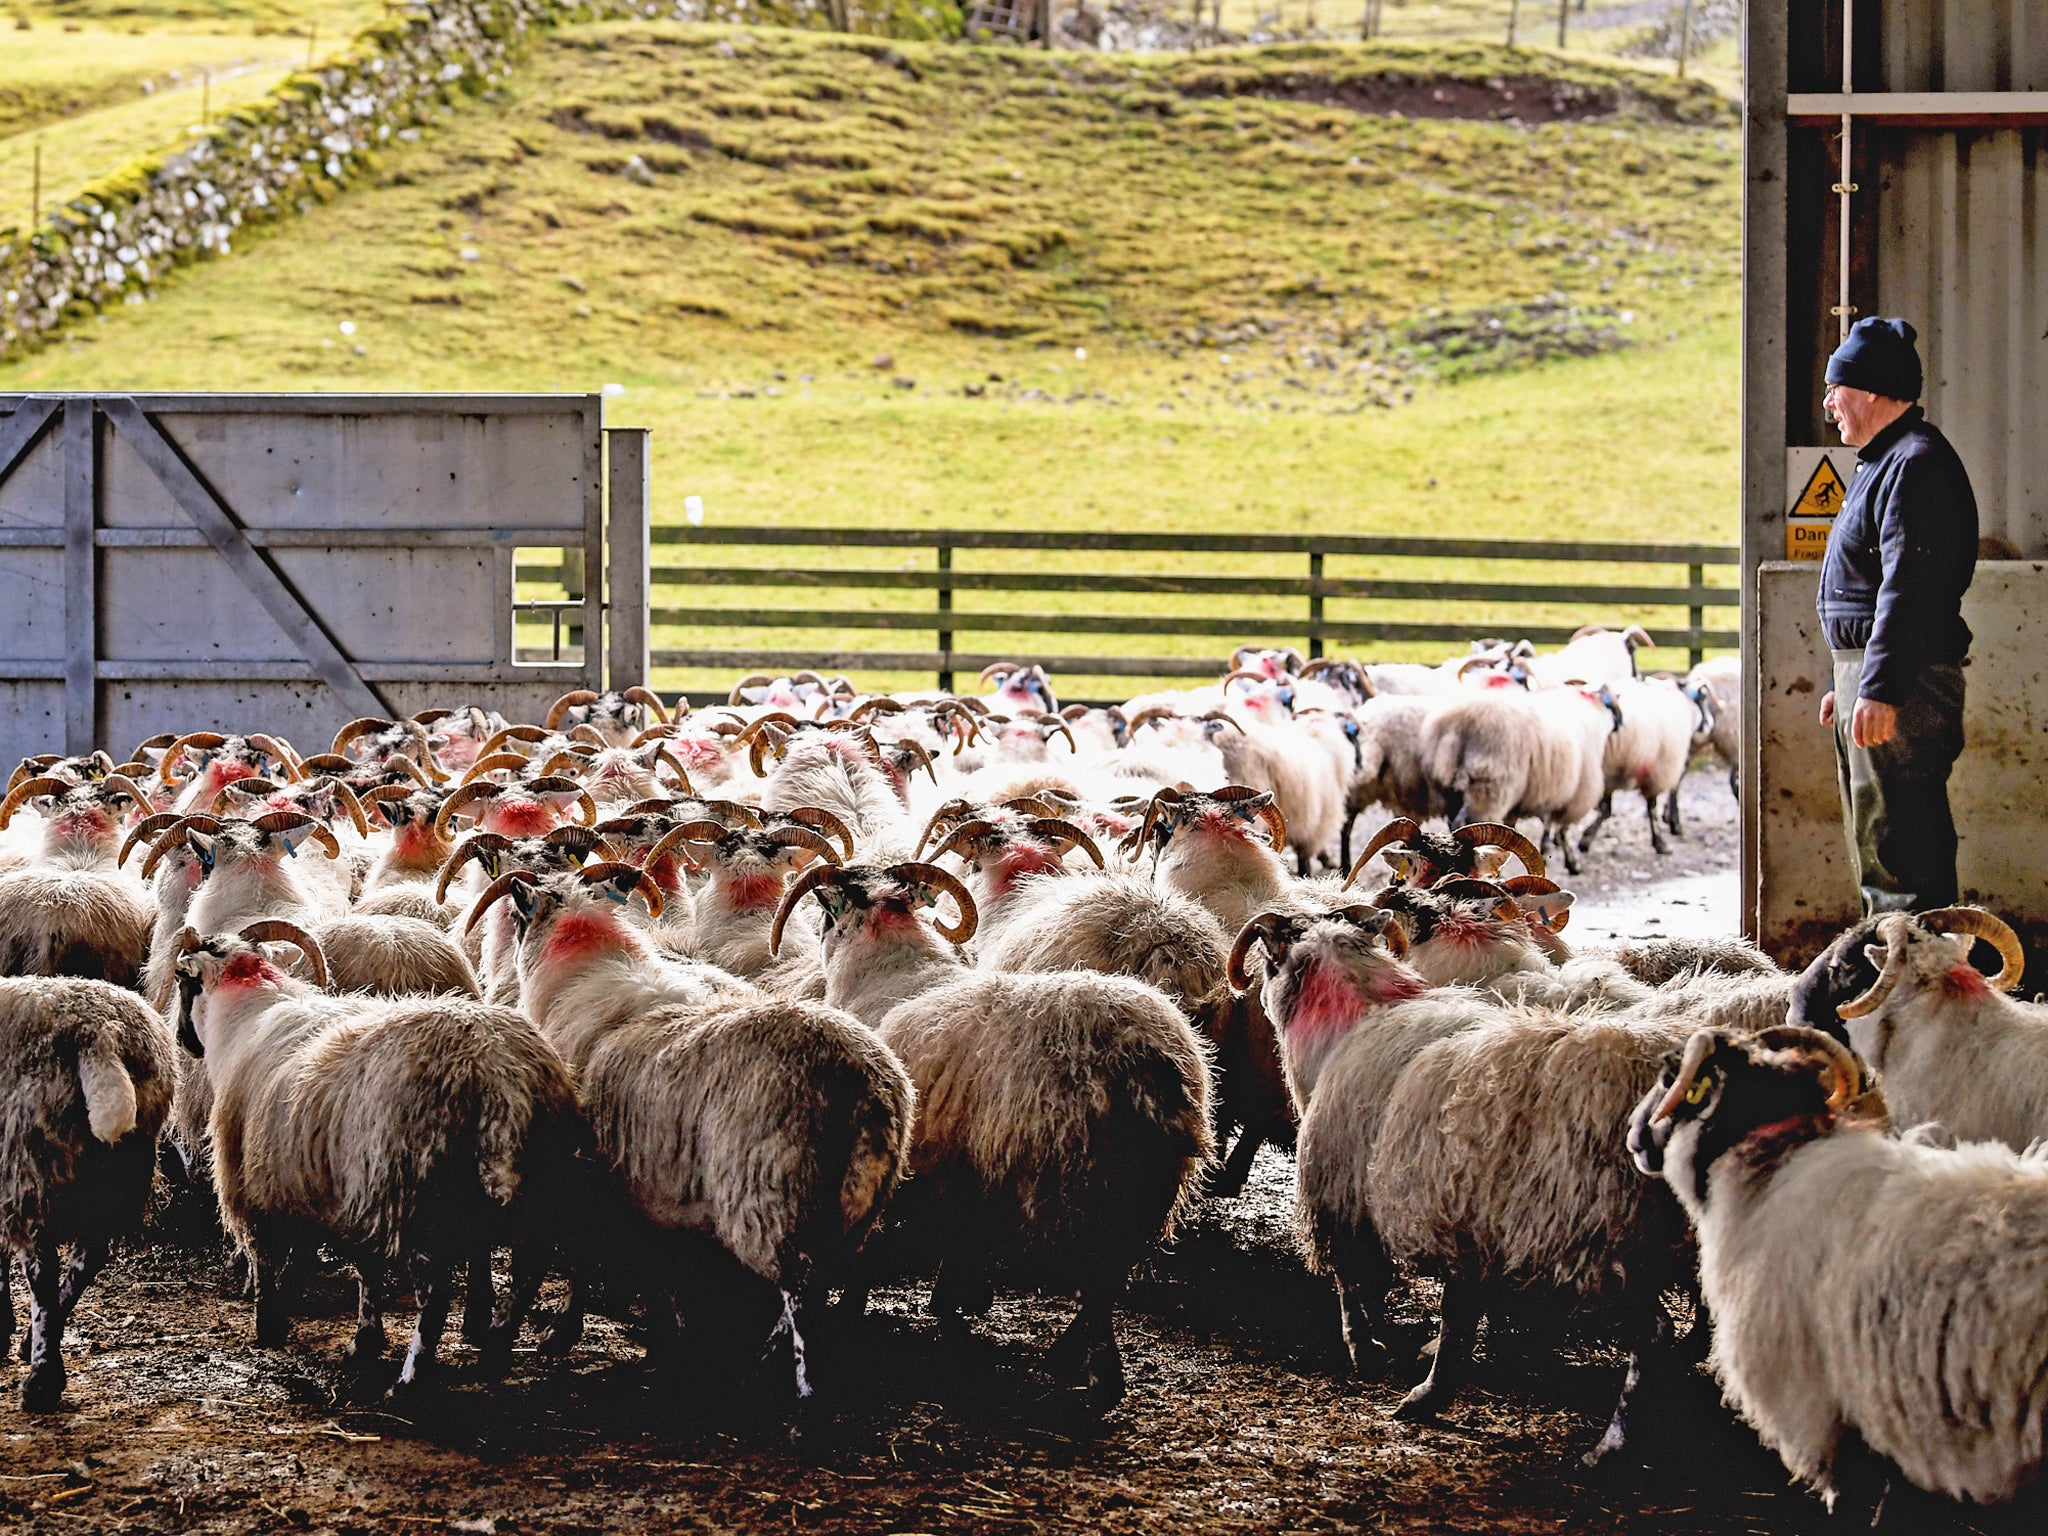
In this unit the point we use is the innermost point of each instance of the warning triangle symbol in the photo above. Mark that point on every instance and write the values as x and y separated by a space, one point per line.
1824 492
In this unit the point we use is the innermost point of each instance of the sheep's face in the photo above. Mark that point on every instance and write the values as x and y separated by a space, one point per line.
1023 690
218 973
1448 925
1210 824
749 868
1842 971
1329 971
566 919
1724 1093
261 847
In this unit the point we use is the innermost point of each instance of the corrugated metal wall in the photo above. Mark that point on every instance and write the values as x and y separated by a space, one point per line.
1964 45
1963 223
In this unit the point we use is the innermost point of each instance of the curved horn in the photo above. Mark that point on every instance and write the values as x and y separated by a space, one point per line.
1269 813
1457 886
531 734
823 821
346 799
964 832
704 831
1243 672
1145 717
292 821
604 874
1060 830
1991 928
1260 930
1892 929
244 788
1635 635
555 784
492 762
951 811
367 725
272 746
751 680
1225 717
804 837
178 748
929 877
1493 834
445 816
145 831
1537 885
31 767
588 735
1400 829
924 758
496 891
28 789
662 756
164 839
1844 1066
275 930
475 844
805 883
652 700
567 702
1056 725
994 667
1697 1050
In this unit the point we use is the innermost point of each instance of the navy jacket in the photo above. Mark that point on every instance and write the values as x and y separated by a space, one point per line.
1900 558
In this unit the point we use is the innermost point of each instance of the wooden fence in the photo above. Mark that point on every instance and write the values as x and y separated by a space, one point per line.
680 586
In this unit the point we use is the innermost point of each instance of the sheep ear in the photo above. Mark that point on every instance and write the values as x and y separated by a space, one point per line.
202 844
1487 862
524 894
1551 907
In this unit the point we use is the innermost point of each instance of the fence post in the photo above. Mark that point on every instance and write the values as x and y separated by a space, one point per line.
1696 578
945 607
81 579
627 569
1315 603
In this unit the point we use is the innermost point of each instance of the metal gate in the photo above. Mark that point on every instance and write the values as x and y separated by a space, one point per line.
289 562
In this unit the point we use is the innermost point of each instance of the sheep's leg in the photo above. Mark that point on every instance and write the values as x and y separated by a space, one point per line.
1600 815
529 1268
1228 1180
790 1326
1671 817
266 1281
962 1290
370 1339
565 1330
1344 840
1564 846
6 1300
44 1388
1735 782
1651 1329
1656 832
436 1284
1463 1305
87 1261
479 1299
1304 864
1090 1342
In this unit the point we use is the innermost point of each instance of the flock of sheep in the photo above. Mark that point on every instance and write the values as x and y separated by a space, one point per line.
718 1014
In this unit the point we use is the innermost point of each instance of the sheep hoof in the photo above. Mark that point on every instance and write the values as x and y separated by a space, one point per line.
43 1390
1369 1357
563 1335
1425 1402
1105 1378
367 1349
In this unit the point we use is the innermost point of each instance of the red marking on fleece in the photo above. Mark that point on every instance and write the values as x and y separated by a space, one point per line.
583 936
1327 1002
1021 859
695 752
519 818
416 844
246 971
221 774
88 824
1965 981
749 893
1222 824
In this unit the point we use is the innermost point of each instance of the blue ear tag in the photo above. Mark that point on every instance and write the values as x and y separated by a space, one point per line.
292 840
611 894
203 849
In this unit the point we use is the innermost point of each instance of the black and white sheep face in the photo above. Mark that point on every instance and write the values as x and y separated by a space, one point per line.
1726 1092
1842 971
1884 963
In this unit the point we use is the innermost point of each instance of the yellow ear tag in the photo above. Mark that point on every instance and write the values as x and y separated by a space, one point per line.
1697 1093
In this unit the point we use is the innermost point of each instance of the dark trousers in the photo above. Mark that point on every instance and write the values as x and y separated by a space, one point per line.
1902 838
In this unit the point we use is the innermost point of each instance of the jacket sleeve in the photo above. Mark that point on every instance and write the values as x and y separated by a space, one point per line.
1927 541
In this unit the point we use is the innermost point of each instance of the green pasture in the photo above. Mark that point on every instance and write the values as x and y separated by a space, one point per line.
857 284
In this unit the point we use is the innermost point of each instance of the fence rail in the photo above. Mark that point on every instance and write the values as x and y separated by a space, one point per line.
1311 627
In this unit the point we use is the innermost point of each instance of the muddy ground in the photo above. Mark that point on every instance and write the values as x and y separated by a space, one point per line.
1242 1414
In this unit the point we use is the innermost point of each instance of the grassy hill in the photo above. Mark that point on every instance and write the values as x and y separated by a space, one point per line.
852 281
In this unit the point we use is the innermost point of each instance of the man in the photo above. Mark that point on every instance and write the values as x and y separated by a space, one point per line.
1899 559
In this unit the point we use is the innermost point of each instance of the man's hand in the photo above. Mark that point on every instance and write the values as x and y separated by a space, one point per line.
1873 724
1827 708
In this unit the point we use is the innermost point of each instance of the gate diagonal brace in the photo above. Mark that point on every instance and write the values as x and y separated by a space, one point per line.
20 430
199 502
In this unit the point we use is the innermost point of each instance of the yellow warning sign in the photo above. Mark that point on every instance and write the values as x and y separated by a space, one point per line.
1824 492
1806 538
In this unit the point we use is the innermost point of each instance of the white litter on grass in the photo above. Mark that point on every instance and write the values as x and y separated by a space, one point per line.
613 390
693 511
348 327
1080 354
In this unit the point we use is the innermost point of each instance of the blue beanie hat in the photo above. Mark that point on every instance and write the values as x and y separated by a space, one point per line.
1878 355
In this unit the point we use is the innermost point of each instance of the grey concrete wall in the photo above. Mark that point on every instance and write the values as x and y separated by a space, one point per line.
2000 789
